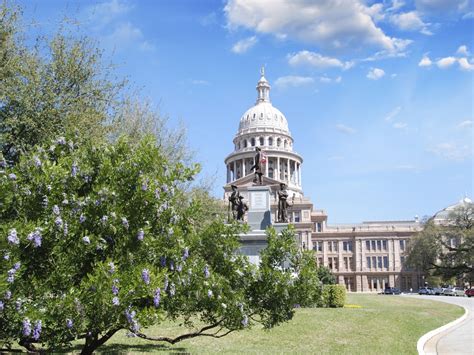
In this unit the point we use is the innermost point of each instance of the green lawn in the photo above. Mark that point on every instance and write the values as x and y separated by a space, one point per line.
384 325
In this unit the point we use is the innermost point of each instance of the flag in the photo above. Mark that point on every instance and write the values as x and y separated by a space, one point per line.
263 158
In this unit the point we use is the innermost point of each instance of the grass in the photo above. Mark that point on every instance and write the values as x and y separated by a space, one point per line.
382 325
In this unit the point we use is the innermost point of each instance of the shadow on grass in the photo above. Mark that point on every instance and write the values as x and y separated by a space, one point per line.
133 348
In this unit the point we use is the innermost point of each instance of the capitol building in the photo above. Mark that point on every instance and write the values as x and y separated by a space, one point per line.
365 257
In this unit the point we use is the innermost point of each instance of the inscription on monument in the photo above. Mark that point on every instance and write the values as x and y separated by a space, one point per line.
258 200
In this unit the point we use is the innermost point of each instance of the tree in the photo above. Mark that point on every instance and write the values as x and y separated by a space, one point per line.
326 276
59 86
447 249
98 237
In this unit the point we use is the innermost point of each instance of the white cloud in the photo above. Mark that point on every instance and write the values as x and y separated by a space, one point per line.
465 124
446 62
345 129
465 65
396 4
410 21
325 23
316 60
468 15
293 81
127 35
375 73
105 12
443 7
244 45
391 115
328 80
463 50
451 151
425 62
400 125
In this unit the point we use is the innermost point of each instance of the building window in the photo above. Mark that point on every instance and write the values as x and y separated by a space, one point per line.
374 262
278 142
245 143
347 246
262 142
385 262
384 244
254 116
368 263
318 246
402 244
252 142
379 265
297 216
367 244
270 173
270 141
379 244
374 247
319 227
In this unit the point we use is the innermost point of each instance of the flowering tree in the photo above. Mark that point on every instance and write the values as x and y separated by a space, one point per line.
102 237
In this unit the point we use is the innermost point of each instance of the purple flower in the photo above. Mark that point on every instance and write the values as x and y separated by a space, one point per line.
74 169
61 141
37 161
65 229
8 294
209 293
6 256
185 254
82 218
116 301
1 306
69 323
18 305
58 221
157 194
26 327
145 185
13 237
45 201
157 297
125 223
140 235
166 283
170 231
132 321
245 321
37 330
163 261
35 237
111 267
12 176
171 265
115 290
17 266
56 210
179 268
172 289
11 276
146 276
104 219
206 272
3 163
86 240
49 187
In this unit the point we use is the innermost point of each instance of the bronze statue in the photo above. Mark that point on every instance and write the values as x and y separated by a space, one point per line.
256 166
241 209
283 204
234 201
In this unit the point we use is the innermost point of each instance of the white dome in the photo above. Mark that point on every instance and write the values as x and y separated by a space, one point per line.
263 115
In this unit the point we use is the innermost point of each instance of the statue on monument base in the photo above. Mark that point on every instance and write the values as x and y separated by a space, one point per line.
283 204
234 200
257 167
241 209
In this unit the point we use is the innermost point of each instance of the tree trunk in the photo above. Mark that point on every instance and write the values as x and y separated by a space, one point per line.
93 342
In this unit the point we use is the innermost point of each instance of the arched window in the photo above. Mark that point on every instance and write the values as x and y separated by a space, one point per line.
270 141
285 143
253 142
238 145
278 142
262 141
245 143
254 116
270 173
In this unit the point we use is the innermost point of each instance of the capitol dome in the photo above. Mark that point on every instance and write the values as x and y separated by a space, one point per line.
265 127
445 214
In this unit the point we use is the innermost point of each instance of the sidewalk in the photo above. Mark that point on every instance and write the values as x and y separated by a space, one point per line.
456 340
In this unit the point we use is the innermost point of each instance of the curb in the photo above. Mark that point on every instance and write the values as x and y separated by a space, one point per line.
420 345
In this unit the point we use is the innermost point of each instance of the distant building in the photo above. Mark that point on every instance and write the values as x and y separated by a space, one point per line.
365 257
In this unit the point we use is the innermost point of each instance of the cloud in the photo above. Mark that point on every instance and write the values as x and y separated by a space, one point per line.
293 81
328 80
425 62
465 124
443 7
391 115
104 13
463 50
327 24
244 45
127 35
400 125
345 129
446 62
410 21
451 151
316 60
375 73
396 4
465 65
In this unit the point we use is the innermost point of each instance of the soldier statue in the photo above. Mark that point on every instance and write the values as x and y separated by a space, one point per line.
257 167
241 209
234 201
283 204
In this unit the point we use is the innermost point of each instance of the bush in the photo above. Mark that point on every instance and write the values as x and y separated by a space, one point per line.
333 296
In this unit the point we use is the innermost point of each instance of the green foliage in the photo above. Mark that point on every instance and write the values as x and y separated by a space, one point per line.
326 276
334 296
446 250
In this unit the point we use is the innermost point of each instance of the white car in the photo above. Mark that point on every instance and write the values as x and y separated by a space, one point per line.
453 291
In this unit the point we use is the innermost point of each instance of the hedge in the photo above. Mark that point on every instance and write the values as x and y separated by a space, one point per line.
333 296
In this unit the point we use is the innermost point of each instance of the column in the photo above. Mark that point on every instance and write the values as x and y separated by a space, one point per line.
339 255
278 169
228 173
235 170
356 251
396 255
266 166
243 167
391 256
299 174
288 170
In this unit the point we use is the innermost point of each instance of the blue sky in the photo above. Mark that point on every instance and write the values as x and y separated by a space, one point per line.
378 95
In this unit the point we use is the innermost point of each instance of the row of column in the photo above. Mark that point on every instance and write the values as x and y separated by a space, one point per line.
232 170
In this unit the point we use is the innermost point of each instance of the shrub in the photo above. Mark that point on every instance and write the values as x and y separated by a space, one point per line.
333 296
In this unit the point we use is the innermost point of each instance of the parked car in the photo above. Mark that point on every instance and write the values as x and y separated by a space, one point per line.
438 290
469 292
448 291
425 291
458 291
391 291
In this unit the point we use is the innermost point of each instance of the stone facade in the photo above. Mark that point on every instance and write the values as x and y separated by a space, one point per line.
365 257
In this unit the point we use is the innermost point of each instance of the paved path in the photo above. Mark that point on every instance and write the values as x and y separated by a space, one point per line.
457 340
